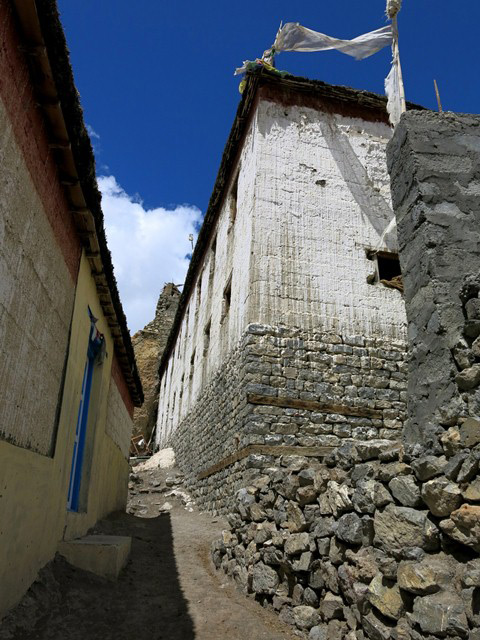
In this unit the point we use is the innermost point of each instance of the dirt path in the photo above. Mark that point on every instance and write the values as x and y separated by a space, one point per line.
168 591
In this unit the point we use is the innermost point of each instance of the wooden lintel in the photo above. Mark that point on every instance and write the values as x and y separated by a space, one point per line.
313 405
59 144
48 102
33 49
266 450
85 236
69 181
92 254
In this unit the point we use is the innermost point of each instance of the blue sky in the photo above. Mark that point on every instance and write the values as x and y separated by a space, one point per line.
157 87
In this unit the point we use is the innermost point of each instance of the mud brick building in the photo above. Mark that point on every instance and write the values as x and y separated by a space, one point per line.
290 332
69 382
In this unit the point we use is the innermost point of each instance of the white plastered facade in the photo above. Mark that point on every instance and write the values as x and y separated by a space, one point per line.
313 197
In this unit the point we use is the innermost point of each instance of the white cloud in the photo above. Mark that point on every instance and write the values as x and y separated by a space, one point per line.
91 132
148 246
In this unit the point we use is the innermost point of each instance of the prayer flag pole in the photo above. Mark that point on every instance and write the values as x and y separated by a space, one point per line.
393 7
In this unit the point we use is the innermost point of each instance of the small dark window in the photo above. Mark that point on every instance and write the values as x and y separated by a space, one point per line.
206 340
199 290
387 269
192 365
227 297
388 266
233 203
211 274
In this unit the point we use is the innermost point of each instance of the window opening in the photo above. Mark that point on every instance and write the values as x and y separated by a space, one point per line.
387 269
199 290
206 337
233 202
192 366
213 251
227 297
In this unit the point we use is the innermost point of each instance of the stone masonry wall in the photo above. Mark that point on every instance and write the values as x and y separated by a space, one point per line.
248 402
380 540
373 544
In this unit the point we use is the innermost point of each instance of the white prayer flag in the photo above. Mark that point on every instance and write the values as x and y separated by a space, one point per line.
293 37
392 90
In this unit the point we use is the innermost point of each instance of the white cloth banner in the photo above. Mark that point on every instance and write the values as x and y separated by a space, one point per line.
293 37
392 89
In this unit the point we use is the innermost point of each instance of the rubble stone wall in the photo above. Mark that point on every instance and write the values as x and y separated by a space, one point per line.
276 365
376 543
380 540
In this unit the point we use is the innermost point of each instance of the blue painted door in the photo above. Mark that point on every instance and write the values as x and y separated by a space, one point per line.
80 433
96 345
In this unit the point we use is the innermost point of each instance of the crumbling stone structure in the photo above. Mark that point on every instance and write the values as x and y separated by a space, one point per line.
381 540
148 345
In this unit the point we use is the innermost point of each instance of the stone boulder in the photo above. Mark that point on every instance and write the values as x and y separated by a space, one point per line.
442 614
464 526
305 617
426 576
441 496
399 527
385 596
265 579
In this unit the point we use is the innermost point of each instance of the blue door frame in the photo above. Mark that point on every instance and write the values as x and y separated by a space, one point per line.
96 343
80 434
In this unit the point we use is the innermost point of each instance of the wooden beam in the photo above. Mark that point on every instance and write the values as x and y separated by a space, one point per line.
313 405
59 144
266 450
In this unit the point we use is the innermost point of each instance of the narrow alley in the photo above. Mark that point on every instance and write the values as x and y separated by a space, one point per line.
169 589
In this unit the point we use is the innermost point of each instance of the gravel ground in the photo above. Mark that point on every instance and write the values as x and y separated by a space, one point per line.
168 591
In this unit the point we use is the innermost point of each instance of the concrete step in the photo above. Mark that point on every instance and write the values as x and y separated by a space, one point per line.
103 555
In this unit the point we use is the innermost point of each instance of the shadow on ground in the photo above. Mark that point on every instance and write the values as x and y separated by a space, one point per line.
146 603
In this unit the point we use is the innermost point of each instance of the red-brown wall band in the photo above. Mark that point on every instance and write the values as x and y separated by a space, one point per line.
25 115
122 387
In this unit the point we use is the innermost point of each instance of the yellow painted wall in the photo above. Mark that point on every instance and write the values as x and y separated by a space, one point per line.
33 488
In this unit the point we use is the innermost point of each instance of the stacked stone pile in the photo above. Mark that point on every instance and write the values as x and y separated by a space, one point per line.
466 352
376 542
285 363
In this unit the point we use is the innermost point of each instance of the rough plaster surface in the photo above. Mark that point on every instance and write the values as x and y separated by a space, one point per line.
33 515
196 356
119 423
434 163
313 197
36 300
322 199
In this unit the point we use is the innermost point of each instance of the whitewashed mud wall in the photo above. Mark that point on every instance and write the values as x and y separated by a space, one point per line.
36 301
313 198
195 357
322 199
